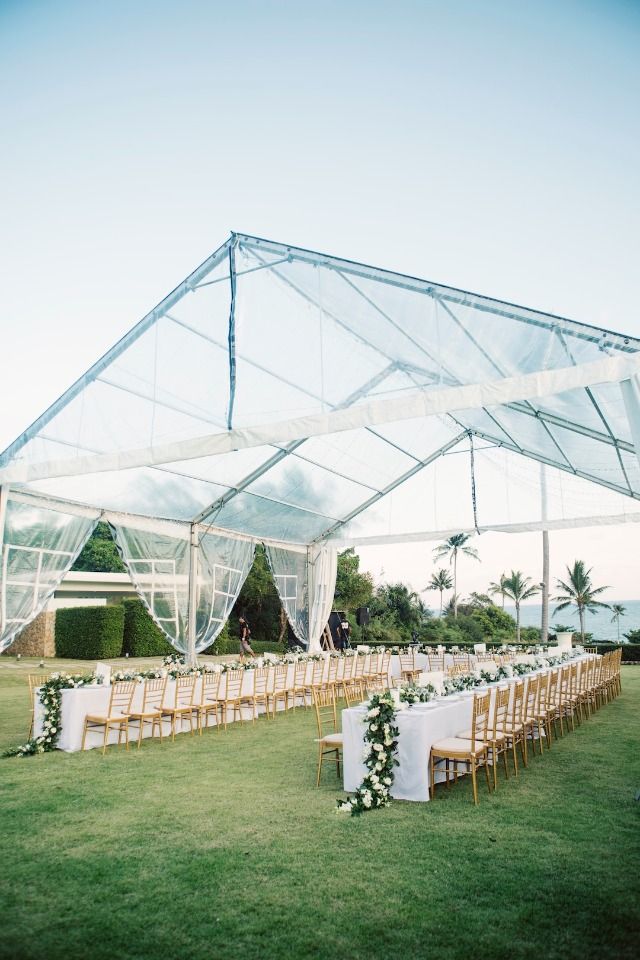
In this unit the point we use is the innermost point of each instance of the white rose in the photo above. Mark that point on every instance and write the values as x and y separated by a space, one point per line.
373 727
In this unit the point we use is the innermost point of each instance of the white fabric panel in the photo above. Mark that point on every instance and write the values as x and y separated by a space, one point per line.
158 565
323 567
223 565
289 571
489 393
631 397
38 547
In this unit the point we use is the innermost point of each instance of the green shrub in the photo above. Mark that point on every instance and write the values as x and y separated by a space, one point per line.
89 633
630 651
142 636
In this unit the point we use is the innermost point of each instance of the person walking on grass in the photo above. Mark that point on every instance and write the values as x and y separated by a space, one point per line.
245 634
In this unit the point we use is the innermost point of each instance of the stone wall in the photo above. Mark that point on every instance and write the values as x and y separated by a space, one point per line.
38 638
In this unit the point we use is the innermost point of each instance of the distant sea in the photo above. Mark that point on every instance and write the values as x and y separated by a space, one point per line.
599 624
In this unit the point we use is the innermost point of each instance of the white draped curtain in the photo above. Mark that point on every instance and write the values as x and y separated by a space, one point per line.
158 564
305 581
39 546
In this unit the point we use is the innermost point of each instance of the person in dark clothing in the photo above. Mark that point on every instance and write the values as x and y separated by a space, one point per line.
245 634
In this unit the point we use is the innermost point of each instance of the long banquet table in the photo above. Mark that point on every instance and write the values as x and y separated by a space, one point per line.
419 727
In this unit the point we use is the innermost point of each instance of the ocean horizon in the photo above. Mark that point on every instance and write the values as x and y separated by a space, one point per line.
599 623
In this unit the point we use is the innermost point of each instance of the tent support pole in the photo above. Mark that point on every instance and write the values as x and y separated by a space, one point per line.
544 626
193 597
630 390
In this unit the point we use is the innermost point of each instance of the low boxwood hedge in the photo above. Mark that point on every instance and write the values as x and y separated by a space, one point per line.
142 636
89 633
630 651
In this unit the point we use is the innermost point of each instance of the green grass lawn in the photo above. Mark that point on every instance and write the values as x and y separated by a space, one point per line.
220 846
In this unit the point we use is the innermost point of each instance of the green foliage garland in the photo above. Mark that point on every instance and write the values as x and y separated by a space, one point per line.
382 736
50 697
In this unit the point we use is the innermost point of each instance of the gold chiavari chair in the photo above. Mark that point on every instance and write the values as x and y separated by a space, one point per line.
320 674
329 739
530 713
514 727
542 719
385 665
408 669
280 689
211 702
473 751
371 671
462 660
301 688
234 699
562 696
550 705
182 696
151 710
496 738
116 716
262 677
570 697
35 681
591 686
457 670
436 663
358 675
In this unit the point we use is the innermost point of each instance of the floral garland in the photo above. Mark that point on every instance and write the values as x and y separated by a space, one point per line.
50 697
381 735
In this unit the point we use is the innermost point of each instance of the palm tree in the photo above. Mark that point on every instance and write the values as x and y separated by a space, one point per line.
580 591
440 581
451 548
498 588
618 611
518 588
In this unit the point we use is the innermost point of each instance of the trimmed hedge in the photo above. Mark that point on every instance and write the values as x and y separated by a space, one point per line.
142 636
89 633
630 651
224 645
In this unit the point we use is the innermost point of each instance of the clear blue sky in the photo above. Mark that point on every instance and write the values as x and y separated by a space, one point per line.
489 145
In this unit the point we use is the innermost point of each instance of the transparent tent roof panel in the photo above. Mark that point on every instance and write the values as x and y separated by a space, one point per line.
307 335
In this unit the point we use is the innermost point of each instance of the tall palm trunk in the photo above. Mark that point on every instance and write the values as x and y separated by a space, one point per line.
581 614
544 626
455 584
517 621
618 626
441 604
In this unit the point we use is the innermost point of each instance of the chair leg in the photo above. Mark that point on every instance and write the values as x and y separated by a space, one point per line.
126 734
84 734
505 761
486 773
319 765
474 782
104 741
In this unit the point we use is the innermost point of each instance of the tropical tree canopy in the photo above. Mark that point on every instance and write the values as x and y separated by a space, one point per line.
579 591
353 589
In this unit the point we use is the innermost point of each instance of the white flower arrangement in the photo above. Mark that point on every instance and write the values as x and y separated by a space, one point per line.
379 757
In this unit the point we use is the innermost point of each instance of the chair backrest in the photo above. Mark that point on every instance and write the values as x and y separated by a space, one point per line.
533 687
210 686
280 677
360 662
436 663
500 713
480 720
36 680
374 662
261 676
551 696
233 684
121 696
543 690
334 663
324 702
462 659
300 673
317 673
408 660
383 668
153 693
517 701
185 691
458 670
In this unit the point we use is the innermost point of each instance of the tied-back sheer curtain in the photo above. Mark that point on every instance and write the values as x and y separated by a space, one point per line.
39 546
305 581
158 563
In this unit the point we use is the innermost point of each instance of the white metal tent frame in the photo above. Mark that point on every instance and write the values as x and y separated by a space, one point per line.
479 391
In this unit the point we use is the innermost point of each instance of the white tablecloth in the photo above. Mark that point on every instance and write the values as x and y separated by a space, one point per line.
77 703
419 727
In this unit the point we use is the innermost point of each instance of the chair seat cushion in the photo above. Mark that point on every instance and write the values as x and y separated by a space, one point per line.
117 718
335 738
457 745
144 714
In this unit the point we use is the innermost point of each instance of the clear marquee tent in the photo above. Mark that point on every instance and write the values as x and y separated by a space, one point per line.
309 403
